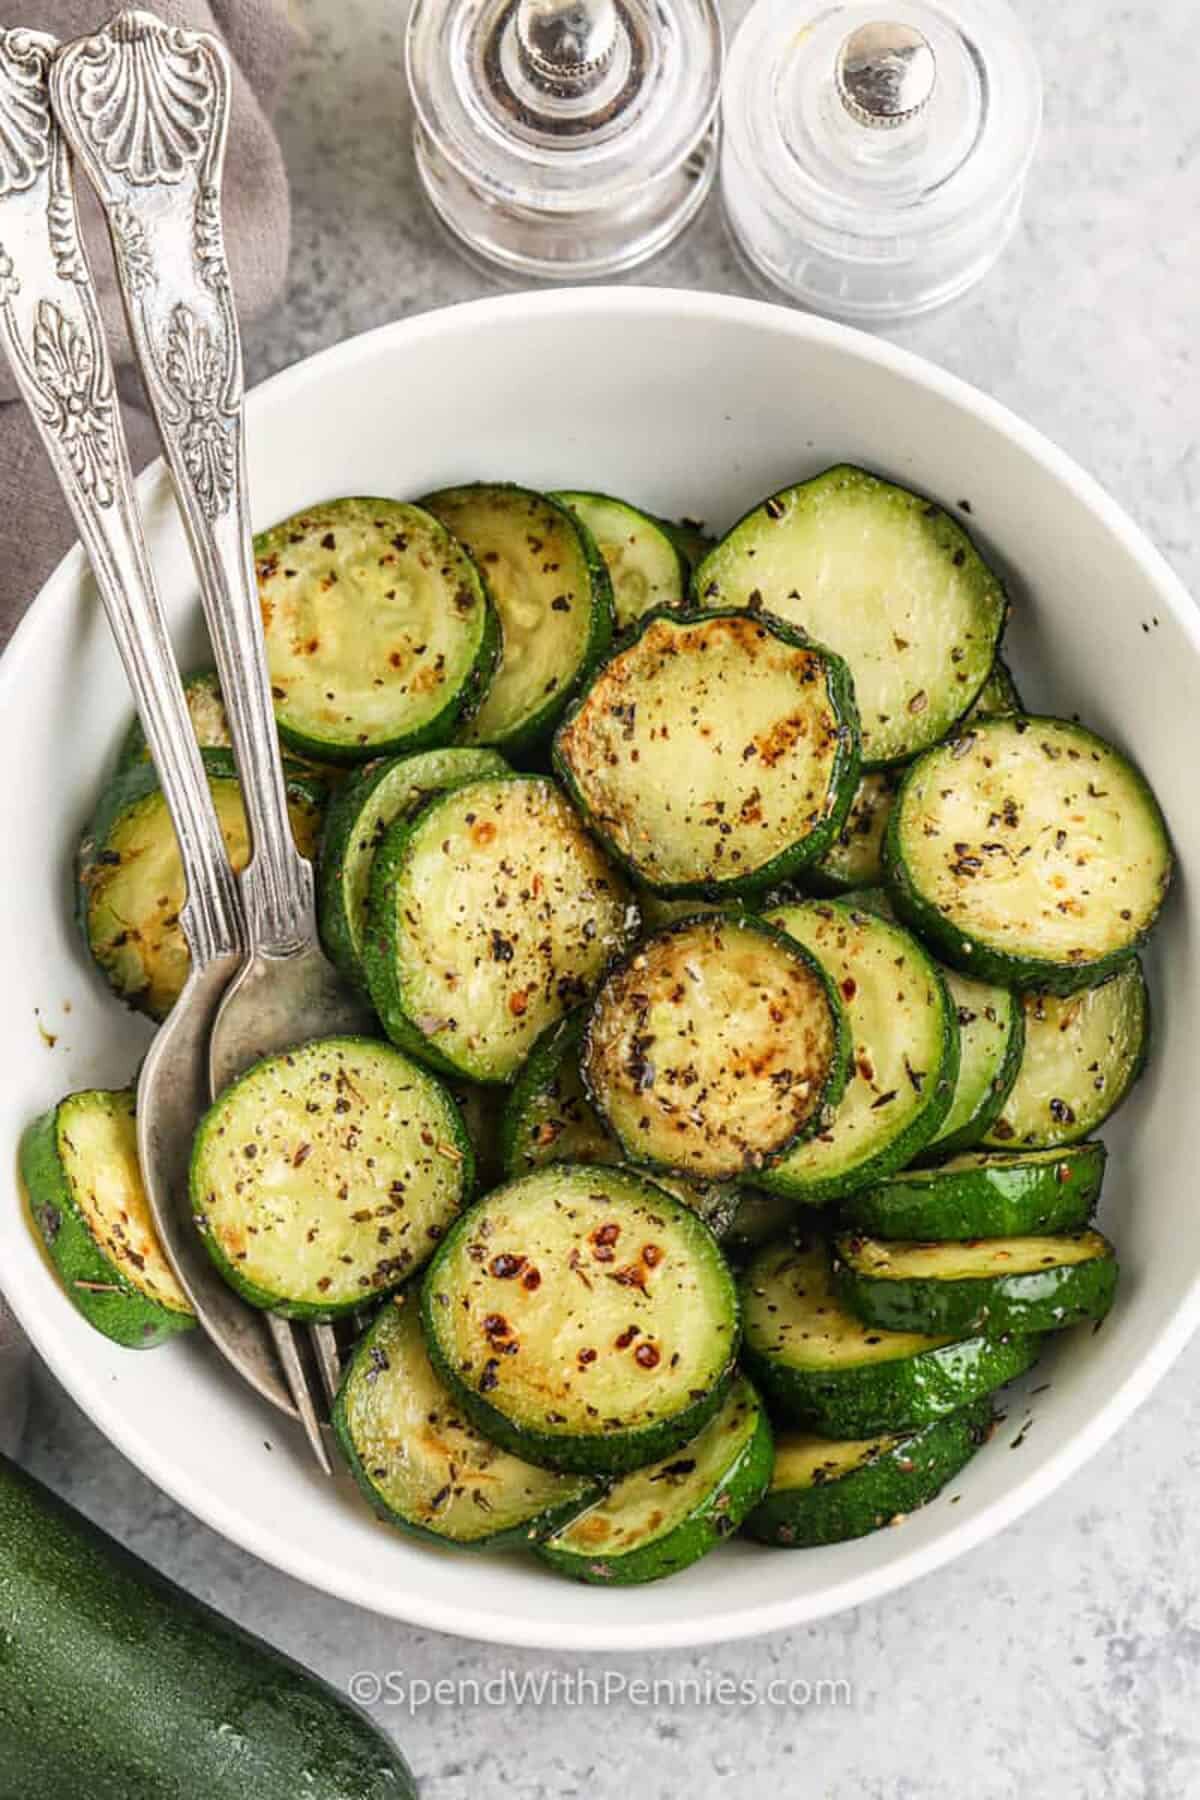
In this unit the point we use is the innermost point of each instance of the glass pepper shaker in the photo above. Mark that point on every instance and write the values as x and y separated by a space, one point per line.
875 151
565 139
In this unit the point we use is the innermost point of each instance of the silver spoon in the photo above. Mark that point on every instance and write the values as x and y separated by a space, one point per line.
52 332
145 107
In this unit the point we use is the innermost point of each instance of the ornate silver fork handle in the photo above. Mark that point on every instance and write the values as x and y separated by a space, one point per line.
51 330
145 107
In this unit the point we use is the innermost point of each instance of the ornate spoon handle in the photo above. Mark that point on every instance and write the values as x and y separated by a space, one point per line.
51 330
145 106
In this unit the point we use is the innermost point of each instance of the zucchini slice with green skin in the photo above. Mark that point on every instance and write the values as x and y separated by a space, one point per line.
379 632
885 578
819 1365
492 913
326 1175
549 1119
991 1038
645 564
998 695
359 815
716 1044
121 1686
995 1285
665 1517
130 886
903 1052
206 710
823 1491
583 1318
1028 852
985 1194
79 1164
419 1462
551 590
855 857
714 753
1081 1056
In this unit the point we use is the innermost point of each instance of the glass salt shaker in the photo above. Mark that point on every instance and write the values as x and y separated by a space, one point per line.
565 139
875 151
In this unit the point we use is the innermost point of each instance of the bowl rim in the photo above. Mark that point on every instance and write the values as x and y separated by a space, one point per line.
718 1626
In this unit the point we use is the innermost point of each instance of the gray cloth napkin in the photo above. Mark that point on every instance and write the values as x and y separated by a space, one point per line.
35 528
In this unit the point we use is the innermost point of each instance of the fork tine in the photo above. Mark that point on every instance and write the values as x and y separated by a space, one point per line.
284 1338
329 1361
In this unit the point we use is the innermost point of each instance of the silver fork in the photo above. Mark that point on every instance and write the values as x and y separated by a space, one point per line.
145 106
52 332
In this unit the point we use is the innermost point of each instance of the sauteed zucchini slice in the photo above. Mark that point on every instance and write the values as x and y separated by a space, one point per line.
903 1051
358 818
492 913
714 753
206 710
645 565
885 578
553 595
583 1318
991 1037
823 1492
668 1515
130 881
380 636
983 1194
819 1365
993 1285
79 1164
714 1046
325 1175
549 1118
422 1465
1081 1056
1028 852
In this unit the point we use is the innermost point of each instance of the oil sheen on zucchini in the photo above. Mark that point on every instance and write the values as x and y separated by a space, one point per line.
991 1036
358 817
983 1194
714 753
79 1164
992 1285
380 636
668 1515
819 1365
885 578
824 1492
492 913
326 1175
583 1318
419 1462
549 1119
1081 1056
714 1046
130 880
548 582
1028 852
645 565
903 1051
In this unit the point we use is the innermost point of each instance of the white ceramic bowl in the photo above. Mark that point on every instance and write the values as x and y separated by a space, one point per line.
691 404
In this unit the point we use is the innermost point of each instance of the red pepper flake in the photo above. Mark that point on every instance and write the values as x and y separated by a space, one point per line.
647 1355
506 1265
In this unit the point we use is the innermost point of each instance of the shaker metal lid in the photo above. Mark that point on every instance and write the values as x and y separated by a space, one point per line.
885 74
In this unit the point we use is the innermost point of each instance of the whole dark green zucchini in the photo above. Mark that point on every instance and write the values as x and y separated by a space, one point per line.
116 1684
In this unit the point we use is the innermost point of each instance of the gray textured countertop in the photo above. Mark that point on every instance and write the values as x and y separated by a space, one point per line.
1063 1657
